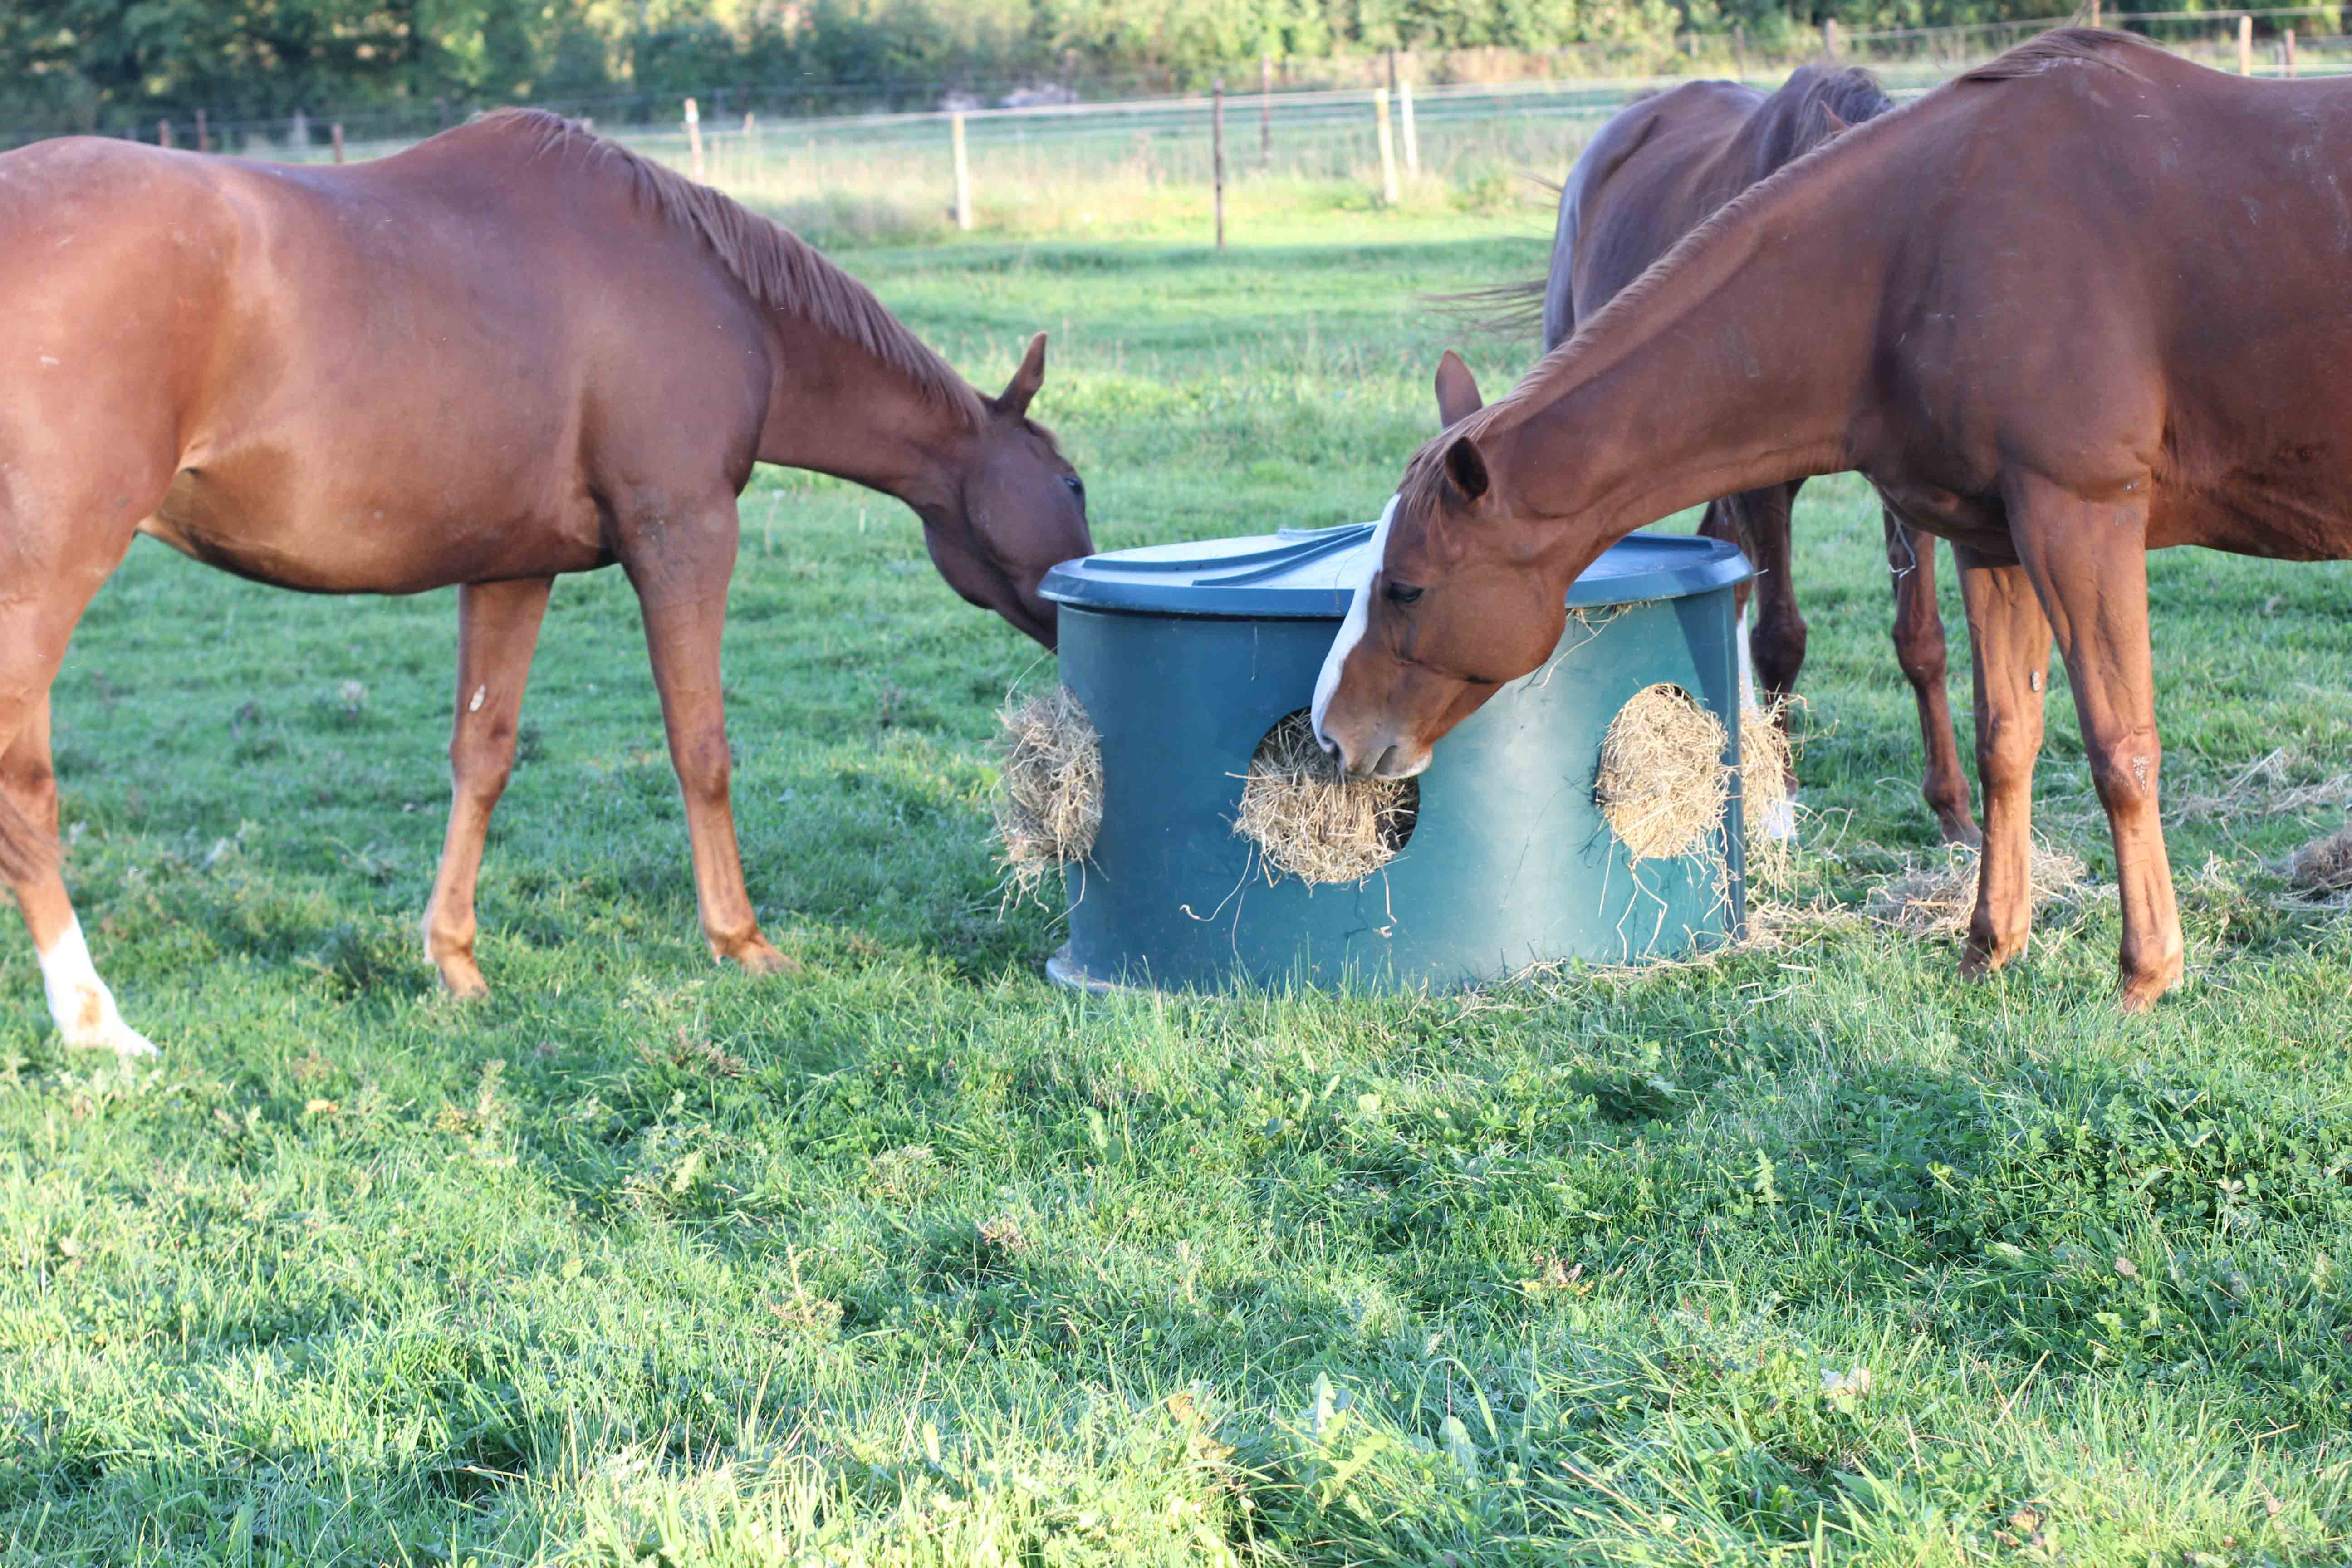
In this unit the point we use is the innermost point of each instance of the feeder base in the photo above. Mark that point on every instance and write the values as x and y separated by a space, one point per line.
1062 969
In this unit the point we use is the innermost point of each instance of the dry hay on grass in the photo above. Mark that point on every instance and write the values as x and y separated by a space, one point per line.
1937 899
1311 822
1766 809
2323 865
1050 805
1662 787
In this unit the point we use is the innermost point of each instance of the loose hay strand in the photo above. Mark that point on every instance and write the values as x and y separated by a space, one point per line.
1310 821
1766 806
2323 865
1662 785
1050 806
1937 899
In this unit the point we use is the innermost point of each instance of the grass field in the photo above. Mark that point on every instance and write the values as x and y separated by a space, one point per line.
1811 1252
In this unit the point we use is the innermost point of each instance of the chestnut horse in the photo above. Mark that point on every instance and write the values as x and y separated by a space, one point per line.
1658 169
510 352
2083 302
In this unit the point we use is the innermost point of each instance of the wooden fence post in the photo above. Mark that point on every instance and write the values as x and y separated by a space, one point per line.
963 173
1217 154
2245 44
1829 38
694 137
1738 50
1411 137
2286 50
1265 111
2094 12
203 137
335 135
1388 145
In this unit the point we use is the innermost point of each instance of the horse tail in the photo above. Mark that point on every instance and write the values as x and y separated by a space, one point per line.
25 851
1500 309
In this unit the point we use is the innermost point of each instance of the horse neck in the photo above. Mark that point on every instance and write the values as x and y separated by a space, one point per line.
1739 365
838 408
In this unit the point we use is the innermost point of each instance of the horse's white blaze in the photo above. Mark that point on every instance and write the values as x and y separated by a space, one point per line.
80 1003
1352 629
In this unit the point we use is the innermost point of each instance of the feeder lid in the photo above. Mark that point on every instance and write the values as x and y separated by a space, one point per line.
1311 574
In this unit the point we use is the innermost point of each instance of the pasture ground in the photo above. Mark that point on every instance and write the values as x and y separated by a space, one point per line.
1810 1252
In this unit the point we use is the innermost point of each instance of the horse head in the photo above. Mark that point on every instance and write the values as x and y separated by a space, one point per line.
1457 598
1019 509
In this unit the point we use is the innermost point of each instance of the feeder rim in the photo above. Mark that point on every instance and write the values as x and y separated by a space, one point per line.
1311 574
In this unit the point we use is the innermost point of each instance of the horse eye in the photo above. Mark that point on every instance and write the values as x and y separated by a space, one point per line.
1077 486
1404 593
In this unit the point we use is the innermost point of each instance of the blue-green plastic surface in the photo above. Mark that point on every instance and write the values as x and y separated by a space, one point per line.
1510 864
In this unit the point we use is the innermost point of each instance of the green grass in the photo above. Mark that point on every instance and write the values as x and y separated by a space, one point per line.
916 1259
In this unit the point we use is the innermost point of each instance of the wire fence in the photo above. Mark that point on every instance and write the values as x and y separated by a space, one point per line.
1458 128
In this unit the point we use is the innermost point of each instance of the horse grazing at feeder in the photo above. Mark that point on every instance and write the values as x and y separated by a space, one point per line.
2083 302
1660 167
510 352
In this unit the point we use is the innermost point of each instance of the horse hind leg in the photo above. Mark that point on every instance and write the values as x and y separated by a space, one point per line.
79 1002
1921 651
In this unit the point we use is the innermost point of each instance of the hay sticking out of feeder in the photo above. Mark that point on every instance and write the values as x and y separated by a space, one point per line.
1768 806
1663 787
2323 865
1310 821
1051 802
1937 899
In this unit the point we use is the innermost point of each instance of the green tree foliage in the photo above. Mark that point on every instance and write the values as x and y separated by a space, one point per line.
403 66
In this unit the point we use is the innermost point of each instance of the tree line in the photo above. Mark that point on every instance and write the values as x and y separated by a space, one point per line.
407 66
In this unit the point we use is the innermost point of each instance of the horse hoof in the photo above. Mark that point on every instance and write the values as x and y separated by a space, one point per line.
1779 819
127 1042
461 981
1960 830
761 958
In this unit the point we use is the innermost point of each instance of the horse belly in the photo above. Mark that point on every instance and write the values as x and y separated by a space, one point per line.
337 540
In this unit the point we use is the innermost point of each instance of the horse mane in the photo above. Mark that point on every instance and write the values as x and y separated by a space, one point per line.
2067 46
782 270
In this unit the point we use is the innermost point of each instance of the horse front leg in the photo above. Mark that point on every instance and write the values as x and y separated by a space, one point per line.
1921 651
2089 564
682 636
498 630
2010 640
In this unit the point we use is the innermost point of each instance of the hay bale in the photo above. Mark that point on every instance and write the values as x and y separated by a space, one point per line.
1937 899
1663 787
2323 865
1312 822
1050 805
1768 806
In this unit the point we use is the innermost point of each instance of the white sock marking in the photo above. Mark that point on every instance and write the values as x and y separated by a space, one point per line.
80 1003
1746 666
1352 629
476 705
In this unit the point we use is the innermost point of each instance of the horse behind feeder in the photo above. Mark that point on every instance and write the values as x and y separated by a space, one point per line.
510 352
1656 171
2083 302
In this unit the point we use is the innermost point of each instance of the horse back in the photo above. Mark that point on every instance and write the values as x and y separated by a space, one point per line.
1653 174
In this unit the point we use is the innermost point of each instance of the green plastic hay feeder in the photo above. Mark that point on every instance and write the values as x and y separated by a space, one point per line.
1185 656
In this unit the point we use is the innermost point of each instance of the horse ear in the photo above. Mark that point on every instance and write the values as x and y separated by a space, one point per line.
1015 399
1466 467
1457 392
1832 123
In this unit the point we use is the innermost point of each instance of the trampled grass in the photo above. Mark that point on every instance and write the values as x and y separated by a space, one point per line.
1809 1252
